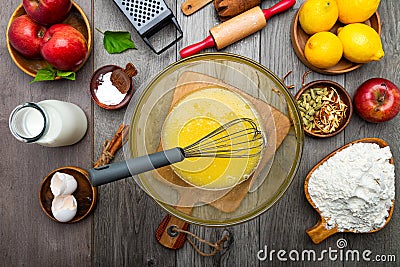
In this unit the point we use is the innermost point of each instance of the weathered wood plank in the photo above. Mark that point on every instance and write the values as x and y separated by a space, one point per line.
126 218
285 224
28 237
193 31
293 207
382 242
238 251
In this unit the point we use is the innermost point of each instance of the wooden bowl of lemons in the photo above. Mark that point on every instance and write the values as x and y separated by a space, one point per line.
299 38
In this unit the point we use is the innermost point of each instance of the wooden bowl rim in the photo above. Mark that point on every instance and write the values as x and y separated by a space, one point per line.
348 101
12 51
94 76
76 169
300 52
382 143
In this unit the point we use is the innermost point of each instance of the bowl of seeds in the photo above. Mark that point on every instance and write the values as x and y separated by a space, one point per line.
325 108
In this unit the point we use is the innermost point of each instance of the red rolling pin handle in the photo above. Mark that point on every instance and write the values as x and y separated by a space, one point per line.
278 8
197 47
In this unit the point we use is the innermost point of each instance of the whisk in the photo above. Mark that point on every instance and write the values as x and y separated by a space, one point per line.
239 138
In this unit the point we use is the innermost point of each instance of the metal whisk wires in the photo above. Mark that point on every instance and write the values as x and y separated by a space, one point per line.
239 138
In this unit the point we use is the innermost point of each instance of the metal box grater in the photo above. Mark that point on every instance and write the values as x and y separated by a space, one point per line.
149 17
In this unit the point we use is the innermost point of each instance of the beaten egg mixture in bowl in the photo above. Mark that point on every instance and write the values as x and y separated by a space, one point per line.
196 115
190 99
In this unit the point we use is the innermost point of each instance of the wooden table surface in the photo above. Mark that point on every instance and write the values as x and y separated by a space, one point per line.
121 230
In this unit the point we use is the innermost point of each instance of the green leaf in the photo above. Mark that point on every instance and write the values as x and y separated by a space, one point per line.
50 73
69 75
117 42
45 74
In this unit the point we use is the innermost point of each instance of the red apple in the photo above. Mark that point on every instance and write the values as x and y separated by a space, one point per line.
25 36
47 12
64 47
377 100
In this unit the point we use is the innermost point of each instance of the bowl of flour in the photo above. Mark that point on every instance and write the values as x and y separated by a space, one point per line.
353 189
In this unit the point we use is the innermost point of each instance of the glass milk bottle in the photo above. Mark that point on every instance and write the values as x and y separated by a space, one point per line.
50 123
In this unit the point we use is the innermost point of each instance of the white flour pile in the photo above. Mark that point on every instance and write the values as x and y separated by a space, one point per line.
354 189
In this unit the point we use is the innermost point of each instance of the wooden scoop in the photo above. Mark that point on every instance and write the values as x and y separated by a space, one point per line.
190 6
121 78
227 9
319 233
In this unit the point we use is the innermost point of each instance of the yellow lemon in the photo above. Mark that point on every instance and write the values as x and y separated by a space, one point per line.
318 15
323 50
361 43
356 10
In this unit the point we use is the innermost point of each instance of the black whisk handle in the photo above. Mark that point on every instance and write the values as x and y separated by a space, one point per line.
120 170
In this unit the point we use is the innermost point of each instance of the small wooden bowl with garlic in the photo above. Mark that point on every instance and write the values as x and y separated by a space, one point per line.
325 108
66 195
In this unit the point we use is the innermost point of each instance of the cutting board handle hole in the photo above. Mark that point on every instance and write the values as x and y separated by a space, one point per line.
172 232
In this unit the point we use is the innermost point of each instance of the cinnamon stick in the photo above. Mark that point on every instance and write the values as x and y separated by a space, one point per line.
111 147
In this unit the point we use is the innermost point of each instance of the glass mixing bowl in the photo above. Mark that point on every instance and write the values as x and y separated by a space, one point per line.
279 121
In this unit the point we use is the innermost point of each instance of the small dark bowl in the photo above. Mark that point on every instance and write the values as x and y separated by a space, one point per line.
85 194
93 87
299 39
345 97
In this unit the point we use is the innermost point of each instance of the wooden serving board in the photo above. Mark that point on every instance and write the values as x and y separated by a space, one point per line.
318 232
187 83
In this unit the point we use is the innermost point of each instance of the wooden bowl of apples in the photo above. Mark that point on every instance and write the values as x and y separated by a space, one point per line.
37 50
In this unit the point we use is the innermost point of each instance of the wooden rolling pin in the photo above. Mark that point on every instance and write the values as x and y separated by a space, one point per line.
237 28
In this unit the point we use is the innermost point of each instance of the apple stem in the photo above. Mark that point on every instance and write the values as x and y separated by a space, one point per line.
383 97
41 33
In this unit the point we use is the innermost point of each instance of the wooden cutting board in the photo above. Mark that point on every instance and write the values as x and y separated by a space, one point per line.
187 83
